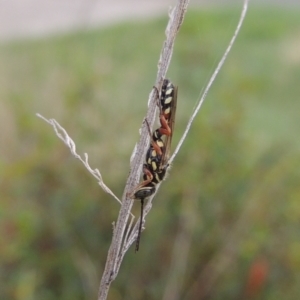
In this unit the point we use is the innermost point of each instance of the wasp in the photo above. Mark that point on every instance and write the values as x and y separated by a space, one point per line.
155 168
158 153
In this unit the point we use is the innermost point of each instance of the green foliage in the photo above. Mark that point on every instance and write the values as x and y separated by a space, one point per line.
225 224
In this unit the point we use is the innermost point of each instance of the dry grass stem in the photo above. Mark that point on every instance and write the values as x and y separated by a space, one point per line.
211 80
125 231
63 135
120 244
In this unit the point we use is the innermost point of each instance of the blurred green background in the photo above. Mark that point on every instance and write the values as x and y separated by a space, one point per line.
226 222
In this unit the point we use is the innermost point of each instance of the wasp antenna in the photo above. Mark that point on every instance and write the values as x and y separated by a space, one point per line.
137 245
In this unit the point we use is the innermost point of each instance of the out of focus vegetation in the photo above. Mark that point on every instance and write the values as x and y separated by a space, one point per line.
226 223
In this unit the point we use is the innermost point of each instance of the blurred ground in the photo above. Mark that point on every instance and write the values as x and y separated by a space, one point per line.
33 18
226 223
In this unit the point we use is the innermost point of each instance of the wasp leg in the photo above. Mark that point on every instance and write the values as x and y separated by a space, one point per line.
147 179
156 141
165 128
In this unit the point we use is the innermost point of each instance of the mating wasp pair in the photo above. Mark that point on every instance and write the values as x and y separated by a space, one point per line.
156 165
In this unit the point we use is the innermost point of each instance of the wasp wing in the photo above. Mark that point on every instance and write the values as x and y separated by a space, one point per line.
171 123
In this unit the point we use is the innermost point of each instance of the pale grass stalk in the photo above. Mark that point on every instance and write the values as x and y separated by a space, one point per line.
63 135
179 258
124 233
119 244
211 80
